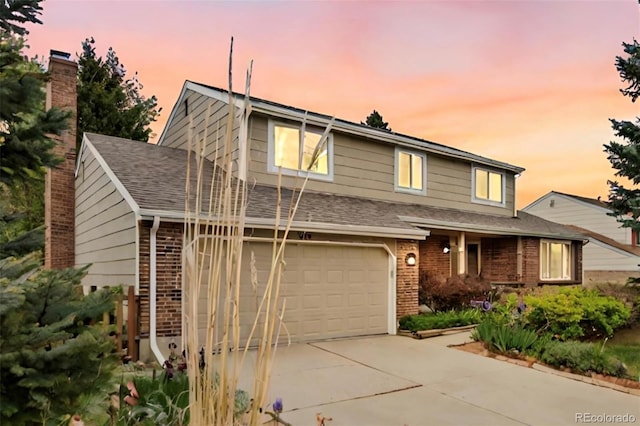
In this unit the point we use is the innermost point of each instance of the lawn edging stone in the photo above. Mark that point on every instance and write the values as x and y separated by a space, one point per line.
435 332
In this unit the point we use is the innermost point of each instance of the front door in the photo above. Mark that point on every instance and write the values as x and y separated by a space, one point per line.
473 257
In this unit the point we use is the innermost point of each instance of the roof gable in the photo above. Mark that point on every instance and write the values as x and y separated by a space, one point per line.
381 135
583 201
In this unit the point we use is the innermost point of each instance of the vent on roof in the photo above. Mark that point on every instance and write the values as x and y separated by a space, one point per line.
552 203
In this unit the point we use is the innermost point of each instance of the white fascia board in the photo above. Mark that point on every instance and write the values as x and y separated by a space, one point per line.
176 106
112 176
79 158
481 229
326 228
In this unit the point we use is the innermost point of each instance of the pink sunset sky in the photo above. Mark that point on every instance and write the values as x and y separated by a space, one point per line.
531 83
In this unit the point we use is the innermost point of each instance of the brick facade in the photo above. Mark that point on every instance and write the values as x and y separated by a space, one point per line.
530 261
432 258
168 278
407 278
499 259
59 251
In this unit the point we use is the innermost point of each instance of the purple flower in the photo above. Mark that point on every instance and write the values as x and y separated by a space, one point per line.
486 306
277 406
521 307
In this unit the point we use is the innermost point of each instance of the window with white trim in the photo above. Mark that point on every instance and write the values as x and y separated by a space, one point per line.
488 186
411 171
299 155
555 260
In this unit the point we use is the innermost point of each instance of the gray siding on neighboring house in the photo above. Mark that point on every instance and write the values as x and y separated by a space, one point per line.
599 257
569 211
366 169
105 227
199 106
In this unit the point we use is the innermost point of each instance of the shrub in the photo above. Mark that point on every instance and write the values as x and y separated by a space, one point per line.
150 400
581 357
628 294
504 338
509 310
437 320
441 294
55 358
576 312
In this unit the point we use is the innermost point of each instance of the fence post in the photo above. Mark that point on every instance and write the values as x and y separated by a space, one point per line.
119 323
132 324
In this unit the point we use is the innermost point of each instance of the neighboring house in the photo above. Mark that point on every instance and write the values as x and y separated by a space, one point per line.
379 209
613 252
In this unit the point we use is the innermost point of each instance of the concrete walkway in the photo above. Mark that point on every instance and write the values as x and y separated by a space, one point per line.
392 380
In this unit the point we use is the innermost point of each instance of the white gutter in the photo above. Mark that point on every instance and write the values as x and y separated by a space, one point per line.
321 227
153 342
391 308
483 229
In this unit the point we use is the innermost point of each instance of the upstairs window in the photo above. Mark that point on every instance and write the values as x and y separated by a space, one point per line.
411 172
555 260
488 186
295 154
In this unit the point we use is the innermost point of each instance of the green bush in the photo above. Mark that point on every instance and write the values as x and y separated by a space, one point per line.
445 319
576 312
581 357
503 338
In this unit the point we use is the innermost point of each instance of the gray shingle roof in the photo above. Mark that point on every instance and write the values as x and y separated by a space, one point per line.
606 240
155 177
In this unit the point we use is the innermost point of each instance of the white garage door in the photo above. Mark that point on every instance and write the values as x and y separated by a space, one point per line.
330 291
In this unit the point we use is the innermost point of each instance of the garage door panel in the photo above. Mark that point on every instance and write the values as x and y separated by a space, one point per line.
335 301
334 276
330 291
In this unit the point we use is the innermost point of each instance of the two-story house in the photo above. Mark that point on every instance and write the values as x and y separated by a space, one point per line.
612 254
379 209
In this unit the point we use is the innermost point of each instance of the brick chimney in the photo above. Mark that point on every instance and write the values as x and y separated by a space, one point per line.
59 198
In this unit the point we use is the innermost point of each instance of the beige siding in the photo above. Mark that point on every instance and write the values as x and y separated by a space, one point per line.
572 212
366 169
201 107
105 227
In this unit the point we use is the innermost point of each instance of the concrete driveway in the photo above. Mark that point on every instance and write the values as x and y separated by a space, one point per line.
392 380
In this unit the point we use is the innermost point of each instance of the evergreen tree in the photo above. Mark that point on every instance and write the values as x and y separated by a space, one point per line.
375 120
625 156
107 102
54 363
25 149
16 12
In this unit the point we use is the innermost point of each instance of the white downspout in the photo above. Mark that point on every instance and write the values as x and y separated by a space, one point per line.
153 342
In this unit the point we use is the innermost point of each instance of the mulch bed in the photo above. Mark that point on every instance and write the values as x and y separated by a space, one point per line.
617 383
